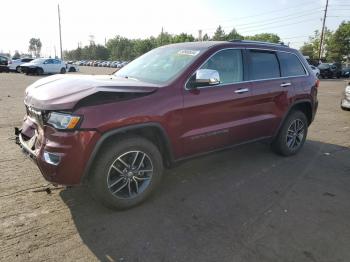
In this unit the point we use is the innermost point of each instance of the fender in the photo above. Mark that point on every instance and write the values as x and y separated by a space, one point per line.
290 108
110 133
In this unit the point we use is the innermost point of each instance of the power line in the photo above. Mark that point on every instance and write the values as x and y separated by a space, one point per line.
254 29
270 12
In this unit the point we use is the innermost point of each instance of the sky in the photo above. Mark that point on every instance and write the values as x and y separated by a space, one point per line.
293 21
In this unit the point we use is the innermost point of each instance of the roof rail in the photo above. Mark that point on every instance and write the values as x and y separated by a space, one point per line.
258 42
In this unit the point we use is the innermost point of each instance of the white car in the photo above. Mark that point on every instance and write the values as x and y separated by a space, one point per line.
44 66
15 65
315 70
345 101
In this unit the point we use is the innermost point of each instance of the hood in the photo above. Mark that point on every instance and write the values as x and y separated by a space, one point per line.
63 92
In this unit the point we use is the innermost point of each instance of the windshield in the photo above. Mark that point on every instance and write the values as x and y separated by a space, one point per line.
323 66
37 61
159 65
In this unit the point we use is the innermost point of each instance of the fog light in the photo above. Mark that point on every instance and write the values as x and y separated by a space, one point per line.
51 158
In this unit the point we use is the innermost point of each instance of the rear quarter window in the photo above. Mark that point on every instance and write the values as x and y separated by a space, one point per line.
263 65
290 65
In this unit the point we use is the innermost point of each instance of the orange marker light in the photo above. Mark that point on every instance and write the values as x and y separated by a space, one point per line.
73 122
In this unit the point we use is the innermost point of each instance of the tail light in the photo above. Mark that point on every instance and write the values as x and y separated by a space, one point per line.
317 84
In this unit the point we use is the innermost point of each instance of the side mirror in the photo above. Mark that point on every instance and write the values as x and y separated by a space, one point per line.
205 77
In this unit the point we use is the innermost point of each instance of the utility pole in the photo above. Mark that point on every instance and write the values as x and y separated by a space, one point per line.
322 32
161 37
59 27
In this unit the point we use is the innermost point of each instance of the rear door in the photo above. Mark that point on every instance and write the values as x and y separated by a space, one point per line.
271 92
218 116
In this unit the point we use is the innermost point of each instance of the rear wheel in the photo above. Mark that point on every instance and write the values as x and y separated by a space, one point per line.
63 70
18 69
126 172
292 134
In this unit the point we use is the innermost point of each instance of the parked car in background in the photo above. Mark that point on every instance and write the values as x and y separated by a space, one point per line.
72 67
345 101
15 65
345 72
44 66
116 132
329 70
315 70
4 61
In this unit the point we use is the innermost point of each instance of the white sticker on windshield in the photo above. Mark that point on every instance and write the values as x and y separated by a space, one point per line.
188 52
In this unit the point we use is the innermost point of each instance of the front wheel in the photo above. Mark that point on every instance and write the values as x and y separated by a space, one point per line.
63 70
292 134
126 172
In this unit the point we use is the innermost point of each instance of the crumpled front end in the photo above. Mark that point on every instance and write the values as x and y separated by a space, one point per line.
60 155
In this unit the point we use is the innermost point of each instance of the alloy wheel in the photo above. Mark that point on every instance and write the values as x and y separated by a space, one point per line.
130 174
295 134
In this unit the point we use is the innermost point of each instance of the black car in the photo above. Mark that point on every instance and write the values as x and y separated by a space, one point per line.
4 61
345 72
330 70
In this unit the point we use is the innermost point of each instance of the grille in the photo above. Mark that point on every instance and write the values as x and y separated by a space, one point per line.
34 114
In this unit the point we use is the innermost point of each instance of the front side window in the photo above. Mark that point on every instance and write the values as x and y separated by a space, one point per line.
290 65
263 65
229 65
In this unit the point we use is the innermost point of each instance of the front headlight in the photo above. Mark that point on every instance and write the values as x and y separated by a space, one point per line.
63 121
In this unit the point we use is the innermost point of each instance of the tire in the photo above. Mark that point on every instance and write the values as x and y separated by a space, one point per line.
63 70
288 142
18 69
39 71
72 69
132 188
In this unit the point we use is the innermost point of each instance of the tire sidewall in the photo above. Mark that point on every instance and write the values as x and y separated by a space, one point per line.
98 182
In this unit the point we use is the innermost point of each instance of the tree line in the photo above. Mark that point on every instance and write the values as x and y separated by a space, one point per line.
122 48
336 47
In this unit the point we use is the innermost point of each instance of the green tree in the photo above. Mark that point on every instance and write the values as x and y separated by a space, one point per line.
266 37
16 55
234 35
35 46
338 45
312 47
219 34
206 37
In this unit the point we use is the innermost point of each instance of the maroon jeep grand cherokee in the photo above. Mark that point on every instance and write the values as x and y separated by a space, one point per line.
116 132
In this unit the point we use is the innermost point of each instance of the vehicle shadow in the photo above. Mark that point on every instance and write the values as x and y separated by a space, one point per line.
246 204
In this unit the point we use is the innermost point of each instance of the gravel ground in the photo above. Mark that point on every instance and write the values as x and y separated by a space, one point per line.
246 204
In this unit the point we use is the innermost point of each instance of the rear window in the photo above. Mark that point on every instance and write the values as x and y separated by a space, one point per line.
263 65
290 65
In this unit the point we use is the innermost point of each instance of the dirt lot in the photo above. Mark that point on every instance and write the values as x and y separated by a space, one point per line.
246 204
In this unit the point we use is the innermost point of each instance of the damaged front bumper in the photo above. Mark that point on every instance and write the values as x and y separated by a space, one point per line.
60 156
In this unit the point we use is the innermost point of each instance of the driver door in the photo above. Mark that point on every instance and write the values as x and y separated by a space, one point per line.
216 116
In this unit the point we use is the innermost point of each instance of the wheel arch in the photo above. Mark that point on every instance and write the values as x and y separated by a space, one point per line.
304 106
153 132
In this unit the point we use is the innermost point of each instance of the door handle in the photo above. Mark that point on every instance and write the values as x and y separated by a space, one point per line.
286 84
241 90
